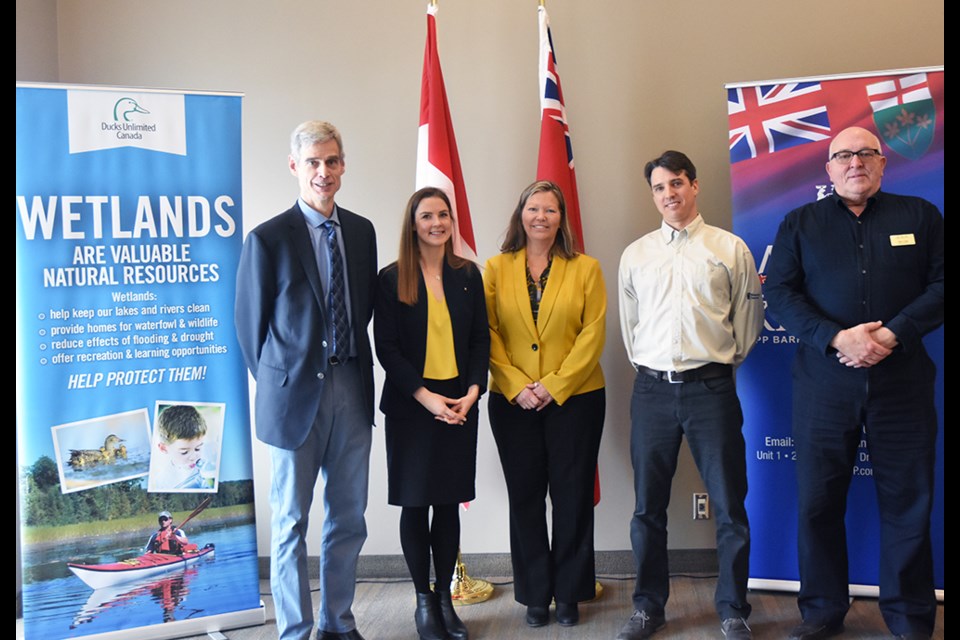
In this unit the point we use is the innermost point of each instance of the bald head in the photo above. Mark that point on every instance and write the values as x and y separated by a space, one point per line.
854 136
855 178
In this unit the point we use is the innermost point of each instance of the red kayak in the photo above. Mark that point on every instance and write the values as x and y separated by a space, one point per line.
98 576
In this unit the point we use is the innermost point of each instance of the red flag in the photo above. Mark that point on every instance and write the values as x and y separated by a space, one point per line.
555 162
438 163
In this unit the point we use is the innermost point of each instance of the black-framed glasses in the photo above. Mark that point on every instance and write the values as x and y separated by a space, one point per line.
846 156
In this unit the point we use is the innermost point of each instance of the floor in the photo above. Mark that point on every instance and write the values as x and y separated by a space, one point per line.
384 611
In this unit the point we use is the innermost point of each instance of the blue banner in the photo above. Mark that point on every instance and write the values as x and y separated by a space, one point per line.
131 391
780 134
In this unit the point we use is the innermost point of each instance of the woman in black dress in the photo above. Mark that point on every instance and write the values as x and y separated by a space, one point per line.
433 341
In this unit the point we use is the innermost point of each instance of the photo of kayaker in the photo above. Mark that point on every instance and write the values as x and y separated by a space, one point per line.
102 450
168 538
168 549
186 447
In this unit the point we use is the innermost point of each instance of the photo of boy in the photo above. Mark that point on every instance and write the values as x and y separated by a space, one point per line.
181 459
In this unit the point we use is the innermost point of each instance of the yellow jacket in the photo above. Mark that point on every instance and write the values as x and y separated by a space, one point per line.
563 350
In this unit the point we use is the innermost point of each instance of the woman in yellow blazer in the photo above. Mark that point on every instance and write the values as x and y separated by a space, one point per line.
547 305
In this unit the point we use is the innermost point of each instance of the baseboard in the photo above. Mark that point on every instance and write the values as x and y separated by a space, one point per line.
393 567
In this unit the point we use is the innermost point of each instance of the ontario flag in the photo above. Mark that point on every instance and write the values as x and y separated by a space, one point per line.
904 112
438 163
555 162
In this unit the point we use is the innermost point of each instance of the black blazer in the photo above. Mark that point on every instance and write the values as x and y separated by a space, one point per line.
281 323
400 335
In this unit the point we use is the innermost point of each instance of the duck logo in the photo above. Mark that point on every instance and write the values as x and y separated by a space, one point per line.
124 107
99 120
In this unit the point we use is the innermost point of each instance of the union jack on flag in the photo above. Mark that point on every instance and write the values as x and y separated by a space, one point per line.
773 117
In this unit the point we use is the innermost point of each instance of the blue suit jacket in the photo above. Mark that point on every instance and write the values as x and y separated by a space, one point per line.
281 323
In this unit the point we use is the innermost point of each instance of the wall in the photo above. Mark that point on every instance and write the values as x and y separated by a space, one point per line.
37 49
639 77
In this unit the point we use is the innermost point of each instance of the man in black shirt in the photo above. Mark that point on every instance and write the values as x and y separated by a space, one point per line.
858 278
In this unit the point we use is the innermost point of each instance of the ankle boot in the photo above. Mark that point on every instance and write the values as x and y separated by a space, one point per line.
427 617
451 621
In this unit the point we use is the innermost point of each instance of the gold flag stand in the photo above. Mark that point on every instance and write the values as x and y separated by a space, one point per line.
467 590
597 591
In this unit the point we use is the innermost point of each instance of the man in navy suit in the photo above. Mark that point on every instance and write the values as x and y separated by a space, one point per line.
305 289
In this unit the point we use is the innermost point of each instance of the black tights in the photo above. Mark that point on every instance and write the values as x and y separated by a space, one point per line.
418 535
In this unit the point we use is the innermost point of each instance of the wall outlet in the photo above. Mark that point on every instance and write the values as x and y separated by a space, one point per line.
701 506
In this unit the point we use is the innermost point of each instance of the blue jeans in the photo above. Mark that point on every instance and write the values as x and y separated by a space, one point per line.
708 413
338 446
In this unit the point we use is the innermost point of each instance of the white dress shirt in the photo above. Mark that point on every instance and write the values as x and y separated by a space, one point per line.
689 298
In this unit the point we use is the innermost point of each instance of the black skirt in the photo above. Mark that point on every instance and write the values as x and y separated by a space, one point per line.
429 461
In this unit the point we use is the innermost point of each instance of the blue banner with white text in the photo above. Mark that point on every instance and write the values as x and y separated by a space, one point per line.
780 133
132 403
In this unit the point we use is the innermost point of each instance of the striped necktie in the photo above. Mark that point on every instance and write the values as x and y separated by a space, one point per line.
336 295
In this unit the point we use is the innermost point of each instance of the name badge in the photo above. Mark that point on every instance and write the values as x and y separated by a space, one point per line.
902 240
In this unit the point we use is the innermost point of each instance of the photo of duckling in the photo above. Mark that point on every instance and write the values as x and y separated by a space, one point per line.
84 463
112 449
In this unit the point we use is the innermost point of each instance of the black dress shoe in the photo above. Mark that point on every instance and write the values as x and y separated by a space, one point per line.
451 621
353 634
538 616
567 614
427 617
816 630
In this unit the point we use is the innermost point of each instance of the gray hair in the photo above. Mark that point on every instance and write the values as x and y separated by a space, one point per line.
313 132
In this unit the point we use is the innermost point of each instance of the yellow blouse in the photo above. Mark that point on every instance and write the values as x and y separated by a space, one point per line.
440 362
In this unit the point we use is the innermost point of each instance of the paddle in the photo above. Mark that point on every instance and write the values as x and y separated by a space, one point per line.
200 507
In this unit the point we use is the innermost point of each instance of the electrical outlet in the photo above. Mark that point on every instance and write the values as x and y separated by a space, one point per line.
701 506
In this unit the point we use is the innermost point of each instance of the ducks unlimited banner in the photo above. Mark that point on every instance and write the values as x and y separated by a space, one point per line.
132 406
780 133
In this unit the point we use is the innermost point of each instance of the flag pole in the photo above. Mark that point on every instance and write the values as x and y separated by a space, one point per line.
555 160
438 165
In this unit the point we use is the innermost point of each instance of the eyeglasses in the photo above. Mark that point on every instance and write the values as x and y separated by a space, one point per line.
865 155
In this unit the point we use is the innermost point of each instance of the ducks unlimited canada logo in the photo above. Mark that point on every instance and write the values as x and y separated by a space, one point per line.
101 120
125 120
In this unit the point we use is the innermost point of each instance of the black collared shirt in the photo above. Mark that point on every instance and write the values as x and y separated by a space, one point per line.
831 270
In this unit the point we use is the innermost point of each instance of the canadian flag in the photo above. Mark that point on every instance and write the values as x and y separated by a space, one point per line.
438 163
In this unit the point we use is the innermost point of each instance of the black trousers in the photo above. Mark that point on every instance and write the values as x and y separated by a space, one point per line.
894 405
550 451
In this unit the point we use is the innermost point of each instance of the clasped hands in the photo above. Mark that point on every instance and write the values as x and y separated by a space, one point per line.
533 396
864 345
444 409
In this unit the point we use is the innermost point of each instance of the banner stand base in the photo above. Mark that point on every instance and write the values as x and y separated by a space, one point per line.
182 628
856 590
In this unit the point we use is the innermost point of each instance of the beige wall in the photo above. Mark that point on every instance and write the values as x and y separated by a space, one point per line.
638 76
37 40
